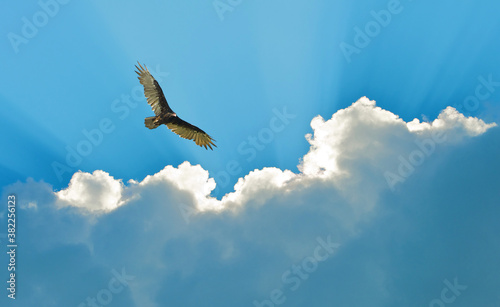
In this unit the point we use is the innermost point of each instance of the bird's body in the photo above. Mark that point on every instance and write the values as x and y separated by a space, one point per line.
155 121
165 115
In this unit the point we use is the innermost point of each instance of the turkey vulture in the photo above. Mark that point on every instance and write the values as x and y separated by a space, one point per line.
165 115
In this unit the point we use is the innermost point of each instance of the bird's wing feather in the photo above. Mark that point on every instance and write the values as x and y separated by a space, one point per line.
152 91
187 131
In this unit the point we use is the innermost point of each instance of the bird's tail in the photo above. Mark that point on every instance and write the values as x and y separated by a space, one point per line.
149 122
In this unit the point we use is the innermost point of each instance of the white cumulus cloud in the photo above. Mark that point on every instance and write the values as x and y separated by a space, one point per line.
357 143
95 192
186 248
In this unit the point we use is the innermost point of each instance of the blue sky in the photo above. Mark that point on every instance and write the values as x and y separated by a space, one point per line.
262 71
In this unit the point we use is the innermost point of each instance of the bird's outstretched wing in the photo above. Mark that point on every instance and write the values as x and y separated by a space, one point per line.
187 131
152 91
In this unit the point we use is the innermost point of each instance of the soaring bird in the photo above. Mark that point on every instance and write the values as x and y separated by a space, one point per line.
165 115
